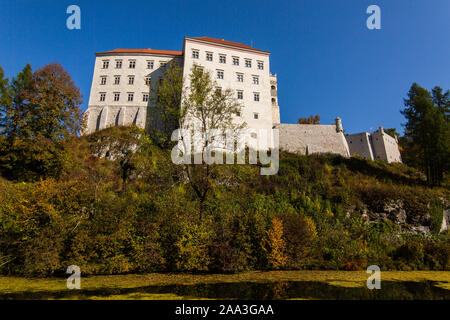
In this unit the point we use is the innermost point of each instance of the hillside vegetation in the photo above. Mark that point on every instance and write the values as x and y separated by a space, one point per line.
121 206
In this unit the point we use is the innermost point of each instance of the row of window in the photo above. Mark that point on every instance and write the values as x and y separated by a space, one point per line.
239 77
240 95
132 64
223 59
103 80
145 96
116 96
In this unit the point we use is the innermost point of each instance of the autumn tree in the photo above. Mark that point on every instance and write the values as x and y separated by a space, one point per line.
310 120
275 246
427 127
41 113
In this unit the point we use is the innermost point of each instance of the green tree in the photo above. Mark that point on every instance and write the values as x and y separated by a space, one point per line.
14 115
428 127
44 111
206 108
165 114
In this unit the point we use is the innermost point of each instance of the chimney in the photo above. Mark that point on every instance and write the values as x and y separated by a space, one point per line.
338 122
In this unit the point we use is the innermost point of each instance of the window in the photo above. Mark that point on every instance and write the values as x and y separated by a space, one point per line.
240 94
103 80
248 63
274 101
130 79
194 54
118 64
130 96
116 79
260 65
116 96
105 64
219 74
240 77
255 80
255 115
253 135
145 97
132 64
160 81
238 114
102 96
150 64
235 61
148 81
209 56
256 96
222 58
218 89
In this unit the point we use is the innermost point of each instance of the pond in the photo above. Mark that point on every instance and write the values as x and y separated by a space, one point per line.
278 290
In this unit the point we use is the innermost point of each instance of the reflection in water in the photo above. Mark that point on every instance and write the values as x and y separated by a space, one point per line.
262 291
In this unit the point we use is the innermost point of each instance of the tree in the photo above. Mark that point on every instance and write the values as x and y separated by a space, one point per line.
42 113
274 245
392 132
13 104
165 113
310 120
427 127
205 108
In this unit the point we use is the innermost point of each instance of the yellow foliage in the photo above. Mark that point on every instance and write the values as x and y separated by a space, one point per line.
276 247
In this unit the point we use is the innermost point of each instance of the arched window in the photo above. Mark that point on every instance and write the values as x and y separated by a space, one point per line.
274 101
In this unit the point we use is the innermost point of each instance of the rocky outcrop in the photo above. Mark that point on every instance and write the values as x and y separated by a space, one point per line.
394 210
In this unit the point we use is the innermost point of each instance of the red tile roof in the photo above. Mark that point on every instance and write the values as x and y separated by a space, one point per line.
227 43
164 52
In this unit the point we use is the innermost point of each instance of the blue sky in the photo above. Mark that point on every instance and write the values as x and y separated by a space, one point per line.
327 61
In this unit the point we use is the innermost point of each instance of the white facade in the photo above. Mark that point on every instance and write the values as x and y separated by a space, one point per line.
376 146
121 86
243 69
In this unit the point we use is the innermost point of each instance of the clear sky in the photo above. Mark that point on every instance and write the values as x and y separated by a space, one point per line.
327 61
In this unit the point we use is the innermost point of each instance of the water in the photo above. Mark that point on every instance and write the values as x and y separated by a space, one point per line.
261 291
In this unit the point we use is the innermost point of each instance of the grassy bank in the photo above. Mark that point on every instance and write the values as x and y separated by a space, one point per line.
349 279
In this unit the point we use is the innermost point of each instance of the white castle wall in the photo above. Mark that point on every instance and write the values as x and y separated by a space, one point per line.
376 146
312 138
359 143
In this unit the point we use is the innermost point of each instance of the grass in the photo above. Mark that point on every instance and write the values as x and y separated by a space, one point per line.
349 279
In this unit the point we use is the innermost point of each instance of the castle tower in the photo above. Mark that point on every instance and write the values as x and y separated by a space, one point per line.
339 127
274 99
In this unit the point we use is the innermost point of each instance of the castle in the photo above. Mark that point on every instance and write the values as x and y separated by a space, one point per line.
123 79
